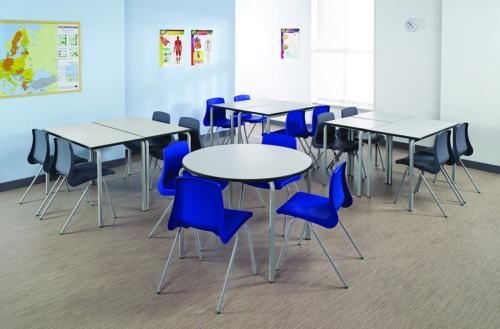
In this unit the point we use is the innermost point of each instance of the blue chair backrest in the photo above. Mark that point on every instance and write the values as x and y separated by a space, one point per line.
64 158
317 111
442 150
198 204
240 98
340 196
461 142
279 140
194 125
217 113
172 164
296 123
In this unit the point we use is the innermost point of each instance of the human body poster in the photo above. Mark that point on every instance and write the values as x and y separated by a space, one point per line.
290 44
171 48
201 47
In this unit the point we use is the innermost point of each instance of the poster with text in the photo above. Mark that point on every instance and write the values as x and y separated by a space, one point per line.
201 47
290 44
171 51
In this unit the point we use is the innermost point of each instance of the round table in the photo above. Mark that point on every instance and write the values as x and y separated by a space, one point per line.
251 163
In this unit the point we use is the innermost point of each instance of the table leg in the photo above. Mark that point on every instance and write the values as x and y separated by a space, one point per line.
325 160
369 167
272 214
411 151
230 195
232 126
308 229
100 220
391 149
240 139
349 154
145 174
92 159
387 159
47 183
360 159
268 125
188 135
211 126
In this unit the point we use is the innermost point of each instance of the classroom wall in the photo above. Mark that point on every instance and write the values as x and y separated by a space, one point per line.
471 72
103 87
260 71
180 91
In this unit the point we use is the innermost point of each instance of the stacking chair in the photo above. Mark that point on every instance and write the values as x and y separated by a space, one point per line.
320 211
432 164
311 127
295 126
154 143
277 140
75 175
172 165
219 118
249 117
199 204
40 154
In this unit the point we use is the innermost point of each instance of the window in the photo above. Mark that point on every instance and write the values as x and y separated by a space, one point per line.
342 52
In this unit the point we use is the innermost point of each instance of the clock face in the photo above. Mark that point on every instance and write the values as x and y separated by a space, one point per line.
410 24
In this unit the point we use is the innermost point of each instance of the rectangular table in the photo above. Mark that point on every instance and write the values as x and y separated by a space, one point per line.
380 116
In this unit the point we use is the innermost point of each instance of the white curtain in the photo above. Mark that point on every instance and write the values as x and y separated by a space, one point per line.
342 52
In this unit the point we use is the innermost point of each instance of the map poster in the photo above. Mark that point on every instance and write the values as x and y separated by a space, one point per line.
171 48
290 44
38 58
201 47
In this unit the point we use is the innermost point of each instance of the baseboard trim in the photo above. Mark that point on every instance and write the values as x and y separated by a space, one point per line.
25 182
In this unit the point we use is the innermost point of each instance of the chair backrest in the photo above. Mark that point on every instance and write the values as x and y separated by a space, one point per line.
296 123
442 150
40 149
165 118
317 140
279 140
172 164
217 113
194 125
64 159
240 98
198 204
317 111
339 194
461 142
347 112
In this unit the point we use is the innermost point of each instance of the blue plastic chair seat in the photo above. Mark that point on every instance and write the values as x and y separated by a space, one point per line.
234 220
309 207
88 171
251 118
420 161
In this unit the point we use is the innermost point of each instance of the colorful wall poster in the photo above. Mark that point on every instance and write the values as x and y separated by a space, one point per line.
201 47
171 48
38 58
290 44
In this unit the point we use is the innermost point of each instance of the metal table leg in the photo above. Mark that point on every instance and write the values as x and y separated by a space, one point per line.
211 126
325 160
391 162
100 221
92 158
360 160
308 229
272 213
369 167
188 135
230 195
231 132
411 152
145 174
387 159
240 139
268 125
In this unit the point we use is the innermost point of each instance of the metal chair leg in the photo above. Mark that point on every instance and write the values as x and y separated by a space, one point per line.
444 213
284 222
250 134
67 187
74 210
109 199
250 245
303 231
470 177
435 178
401 185
417 186
380 153
228 273
52 199
217 133
153 175
260 197
198 244
32 182
83 190
161 218
47 197
245 129
88 194
168 261
359 252
305 150
327 255
284 246
361 164
454 186
376 155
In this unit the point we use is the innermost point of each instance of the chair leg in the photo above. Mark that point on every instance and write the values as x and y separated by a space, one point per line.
33 182
284 245
88 194
168 261
245 129
198 244
376 155
241 195
250 134
356 247
453 186
305 150
445 216
217 134
284 222
380 153
250 245
470 177
228 273
303 231
109 199
161 218
67 187
153 175
48 195
74 210
361 164
327 255
435 178
401 184
260 197
417 186
52 199
83 189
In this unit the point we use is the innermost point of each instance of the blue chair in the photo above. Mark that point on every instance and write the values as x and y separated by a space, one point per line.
295 126
199 204
154 143
320 211
283 141
249 117
219 118
172 165
431 164
64 159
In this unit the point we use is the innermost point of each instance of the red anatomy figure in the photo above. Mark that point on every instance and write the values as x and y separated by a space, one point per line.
178 50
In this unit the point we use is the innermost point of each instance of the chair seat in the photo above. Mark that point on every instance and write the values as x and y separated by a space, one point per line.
376 138
251 118
278 184
430 151
233 221
168 188
224 123
154 143
78 160
309 207
279 132
420 161
87 172
343 145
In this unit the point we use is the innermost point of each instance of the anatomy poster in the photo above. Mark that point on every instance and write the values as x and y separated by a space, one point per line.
171 48
201 47
290 44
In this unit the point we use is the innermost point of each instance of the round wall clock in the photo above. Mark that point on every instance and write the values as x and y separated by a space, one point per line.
410 24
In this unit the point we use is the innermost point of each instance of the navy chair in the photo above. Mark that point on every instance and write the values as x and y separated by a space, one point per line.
249 117
219 118
432 164
321 211
311 127
82 174
199 204
283 141
154 143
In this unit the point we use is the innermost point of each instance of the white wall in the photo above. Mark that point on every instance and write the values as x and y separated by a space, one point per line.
470 78
408 65
260 71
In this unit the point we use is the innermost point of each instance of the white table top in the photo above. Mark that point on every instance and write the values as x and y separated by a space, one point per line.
92 136
234 106
356 123
142 127
380 116
415 129
246 163
278 108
